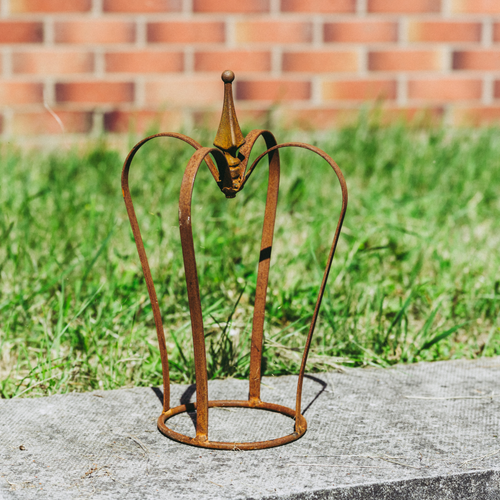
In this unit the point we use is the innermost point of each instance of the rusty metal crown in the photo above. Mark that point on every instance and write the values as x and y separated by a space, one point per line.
230 171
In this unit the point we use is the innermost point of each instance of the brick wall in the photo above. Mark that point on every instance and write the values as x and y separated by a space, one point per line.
113 65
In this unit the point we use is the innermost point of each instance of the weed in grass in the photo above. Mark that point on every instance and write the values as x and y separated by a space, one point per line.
416 276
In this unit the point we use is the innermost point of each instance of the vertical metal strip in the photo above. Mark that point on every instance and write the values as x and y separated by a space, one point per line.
299 420
193 288
142 252
263 271
298 416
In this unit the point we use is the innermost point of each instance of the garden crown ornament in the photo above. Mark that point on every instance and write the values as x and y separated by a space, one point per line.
231 172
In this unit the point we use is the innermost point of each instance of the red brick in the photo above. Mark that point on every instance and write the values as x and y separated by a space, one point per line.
317 118
243 60
361 32
95 92
28 6
43 122
143 6
404 6
274 32
142 121
231 6
319 6
320 62
185 91
481 60
52 62
359 90
496 32
273 90
496 91
444 89
327 118
94 31
144 62
404 60
186 32
12 93
20 32
444 31
476 6
474 116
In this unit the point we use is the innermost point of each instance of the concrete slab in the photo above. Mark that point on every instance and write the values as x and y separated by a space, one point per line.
426 431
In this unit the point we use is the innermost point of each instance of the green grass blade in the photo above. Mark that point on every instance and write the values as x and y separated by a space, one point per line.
440 336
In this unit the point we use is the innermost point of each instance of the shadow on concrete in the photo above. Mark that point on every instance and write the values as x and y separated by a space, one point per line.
158 393
184 400
323 389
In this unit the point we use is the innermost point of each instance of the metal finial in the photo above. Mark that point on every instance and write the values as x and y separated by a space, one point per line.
229 137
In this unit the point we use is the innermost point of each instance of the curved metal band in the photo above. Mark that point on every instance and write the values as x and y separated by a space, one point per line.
142 252
321 292
193 288
222 445
264 256
185 225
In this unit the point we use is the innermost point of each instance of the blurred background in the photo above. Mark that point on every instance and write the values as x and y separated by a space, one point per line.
88 66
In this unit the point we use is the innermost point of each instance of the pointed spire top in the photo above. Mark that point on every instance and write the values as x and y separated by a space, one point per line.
229 137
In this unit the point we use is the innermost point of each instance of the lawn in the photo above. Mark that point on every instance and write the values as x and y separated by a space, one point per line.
416 276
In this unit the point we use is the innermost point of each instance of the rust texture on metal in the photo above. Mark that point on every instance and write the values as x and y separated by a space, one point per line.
228 164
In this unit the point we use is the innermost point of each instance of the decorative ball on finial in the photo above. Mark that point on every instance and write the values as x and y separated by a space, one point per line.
227 76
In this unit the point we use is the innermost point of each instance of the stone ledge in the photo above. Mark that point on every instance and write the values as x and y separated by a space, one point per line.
426 431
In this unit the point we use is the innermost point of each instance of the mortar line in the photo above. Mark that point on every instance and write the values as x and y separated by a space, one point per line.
364 69
488 89
96 9
274 7
317 34
7 61
487 32
402 32
99 62
316 91
361 8
187 7
140 92
189 58
8 117
48 31
446 9
230 30
141 32
49 91
97 123
276 61
402 90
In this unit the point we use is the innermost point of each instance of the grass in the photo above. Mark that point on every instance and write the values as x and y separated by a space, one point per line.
416 275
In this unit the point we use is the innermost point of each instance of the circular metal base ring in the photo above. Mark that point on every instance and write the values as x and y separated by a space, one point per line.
203 442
